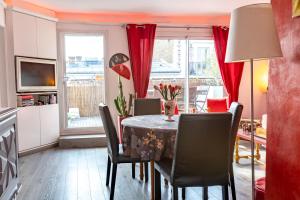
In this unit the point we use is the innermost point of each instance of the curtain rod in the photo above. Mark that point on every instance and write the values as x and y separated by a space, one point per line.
185 27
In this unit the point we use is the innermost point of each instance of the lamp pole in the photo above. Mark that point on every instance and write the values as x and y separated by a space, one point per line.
252 132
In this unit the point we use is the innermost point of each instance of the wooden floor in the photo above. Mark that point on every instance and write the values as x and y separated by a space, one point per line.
79 174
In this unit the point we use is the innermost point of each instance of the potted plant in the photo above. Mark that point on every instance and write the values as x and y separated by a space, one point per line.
169 94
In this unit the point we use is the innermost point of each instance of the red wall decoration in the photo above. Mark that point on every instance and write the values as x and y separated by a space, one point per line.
283 143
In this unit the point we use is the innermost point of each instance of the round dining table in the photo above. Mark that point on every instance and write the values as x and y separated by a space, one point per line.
149 138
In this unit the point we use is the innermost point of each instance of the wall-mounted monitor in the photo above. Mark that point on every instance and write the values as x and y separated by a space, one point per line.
35 74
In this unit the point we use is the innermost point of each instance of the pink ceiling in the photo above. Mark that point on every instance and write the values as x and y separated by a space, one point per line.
124 17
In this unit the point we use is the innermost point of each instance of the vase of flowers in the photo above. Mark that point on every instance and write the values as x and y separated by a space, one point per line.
169 94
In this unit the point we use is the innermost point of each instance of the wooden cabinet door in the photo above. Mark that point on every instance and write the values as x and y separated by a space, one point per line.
46 39
24 31
29 129
49 116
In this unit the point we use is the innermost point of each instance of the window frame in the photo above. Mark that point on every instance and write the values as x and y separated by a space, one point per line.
187 35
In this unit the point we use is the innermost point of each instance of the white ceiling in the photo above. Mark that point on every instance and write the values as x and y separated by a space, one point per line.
161 7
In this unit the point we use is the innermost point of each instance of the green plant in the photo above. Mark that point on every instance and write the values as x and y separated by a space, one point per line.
120 101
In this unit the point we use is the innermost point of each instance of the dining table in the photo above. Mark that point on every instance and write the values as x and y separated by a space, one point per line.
149 138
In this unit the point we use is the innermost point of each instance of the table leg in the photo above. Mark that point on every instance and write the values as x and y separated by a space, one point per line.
152 179
237 156
257 148
141 171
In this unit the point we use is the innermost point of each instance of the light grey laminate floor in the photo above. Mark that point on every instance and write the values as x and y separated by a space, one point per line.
79 174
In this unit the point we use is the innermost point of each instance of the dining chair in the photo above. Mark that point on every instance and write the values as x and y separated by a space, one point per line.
201 156
236 110
114 156
147 106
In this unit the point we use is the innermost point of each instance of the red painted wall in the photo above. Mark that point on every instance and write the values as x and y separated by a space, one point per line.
283 144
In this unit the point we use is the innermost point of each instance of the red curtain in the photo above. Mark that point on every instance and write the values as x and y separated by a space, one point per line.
140 44
231 72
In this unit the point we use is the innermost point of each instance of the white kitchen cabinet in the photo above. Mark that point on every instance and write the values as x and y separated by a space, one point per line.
29 127
37 126
49 117
46 39
2 14
25 34
34 36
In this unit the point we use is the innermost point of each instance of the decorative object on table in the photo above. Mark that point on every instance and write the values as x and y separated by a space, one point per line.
169 94
252 35
296 8
245 124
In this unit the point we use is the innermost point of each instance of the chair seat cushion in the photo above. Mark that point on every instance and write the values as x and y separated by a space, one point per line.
260 185
164 166
217 105
127 159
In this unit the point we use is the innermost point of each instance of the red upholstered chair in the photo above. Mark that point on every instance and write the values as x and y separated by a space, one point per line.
217 105
260 185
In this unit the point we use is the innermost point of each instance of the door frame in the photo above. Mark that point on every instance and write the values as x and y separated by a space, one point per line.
64 130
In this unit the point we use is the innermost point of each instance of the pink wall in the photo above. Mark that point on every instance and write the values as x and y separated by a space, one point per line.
283 145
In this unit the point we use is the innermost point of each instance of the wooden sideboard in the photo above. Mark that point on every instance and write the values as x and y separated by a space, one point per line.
9 182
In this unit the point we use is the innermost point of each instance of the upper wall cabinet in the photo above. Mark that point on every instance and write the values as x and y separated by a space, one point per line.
2 15
46 38
25 37
33 36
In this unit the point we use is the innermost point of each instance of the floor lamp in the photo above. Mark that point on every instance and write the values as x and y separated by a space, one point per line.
252 36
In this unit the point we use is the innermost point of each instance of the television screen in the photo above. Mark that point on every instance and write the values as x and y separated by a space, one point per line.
37 74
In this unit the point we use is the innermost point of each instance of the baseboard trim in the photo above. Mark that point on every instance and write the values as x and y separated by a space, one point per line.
38 149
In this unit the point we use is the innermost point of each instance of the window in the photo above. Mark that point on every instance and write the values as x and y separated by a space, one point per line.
191 64
84 72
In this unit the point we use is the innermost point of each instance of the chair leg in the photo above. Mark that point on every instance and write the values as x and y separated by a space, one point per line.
133 170
225 192
113 181
183 193
157 185
108 170
205 193
232 184
175 193
166 182
146 167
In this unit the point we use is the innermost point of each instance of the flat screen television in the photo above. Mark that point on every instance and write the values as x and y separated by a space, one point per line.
35 74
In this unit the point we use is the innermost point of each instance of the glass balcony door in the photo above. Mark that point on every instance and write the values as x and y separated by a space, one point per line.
84 85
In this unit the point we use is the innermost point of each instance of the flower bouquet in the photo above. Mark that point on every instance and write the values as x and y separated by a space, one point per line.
169 94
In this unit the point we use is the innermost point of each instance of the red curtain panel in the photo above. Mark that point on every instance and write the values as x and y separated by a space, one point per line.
231 72
140 44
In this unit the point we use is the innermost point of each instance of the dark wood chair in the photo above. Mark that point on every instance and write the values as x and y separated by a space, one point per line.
236 110
114 156
201 155
147 106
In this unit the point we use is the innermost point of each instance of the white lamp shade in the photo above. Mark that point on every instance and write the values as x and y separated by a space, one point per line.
252 34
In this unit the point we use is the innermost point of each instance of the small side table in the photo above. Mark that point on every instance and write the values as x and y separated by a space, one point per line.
245 135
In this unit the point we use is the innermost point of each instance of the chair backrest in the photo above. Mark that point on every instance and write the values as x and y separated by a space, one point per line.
202 150
236 110
217 105
110 131
147 106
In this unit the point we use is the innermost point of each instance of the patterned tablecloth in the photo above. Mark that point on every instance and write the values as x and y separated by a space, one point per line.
149 137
